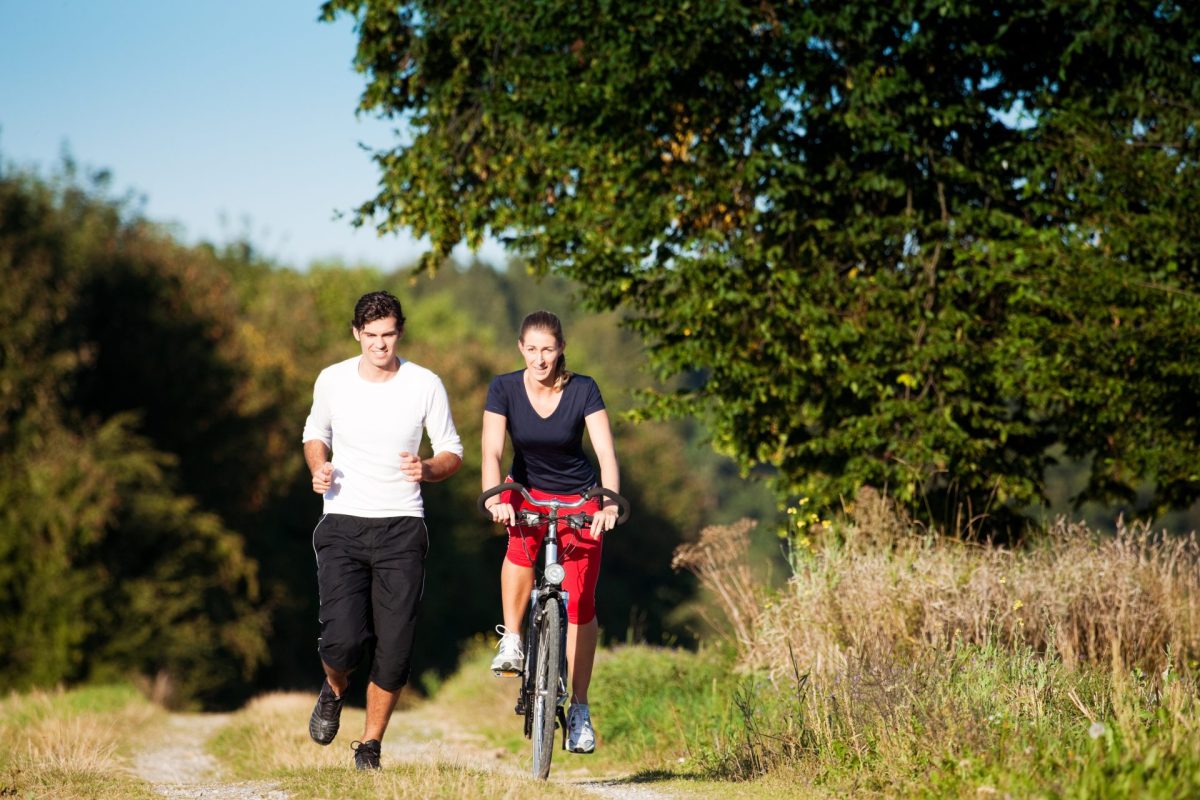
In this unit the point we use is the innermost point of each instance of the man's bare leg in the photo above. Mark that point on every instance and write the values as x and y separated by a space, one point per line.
337 679
380 704
327 713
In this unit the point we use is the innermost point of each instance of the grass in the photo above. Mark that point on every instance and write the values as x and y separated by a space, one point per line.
656 712
72 744
653 709
898 663
660 716
658 708
980 721
895 663
646 702
268 740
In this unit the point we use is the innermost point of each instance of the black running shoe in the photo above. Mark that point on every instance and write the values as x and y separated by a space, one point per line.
326 716
366 754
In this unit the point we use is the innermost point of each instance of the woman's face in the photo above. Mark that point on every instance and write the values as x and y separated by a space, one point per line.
540 350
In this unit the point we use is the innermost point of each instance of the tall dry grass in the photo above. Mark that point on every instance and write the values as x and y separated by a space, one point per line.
718 559
72 744
906 651
877 589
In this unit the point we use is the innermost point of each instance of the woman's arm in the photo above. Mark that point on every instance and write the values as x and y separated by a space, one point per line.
600 432
495 426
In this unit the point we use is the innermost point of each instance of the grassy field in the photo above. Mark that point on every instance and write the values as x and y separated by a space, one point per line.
652 709
900 663
426 754
984 721
895 663
73 744
659 714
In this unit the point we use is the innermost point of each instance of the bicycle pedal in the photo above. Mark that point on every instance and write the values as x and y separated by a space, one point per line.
506 673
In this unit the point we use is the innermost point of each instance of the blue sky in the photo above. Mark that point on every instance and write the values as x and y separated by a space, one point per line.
230 118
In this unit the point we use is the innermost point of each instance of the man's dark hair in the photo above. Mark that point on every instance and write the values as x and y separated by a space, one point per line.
377 305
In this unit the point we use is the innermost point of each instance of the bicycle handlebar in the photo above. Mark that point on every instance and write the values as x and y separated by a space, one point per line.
595 491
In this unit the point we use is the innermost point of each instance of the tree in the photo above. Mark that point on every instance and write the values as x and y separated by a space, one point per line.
107 566
911 244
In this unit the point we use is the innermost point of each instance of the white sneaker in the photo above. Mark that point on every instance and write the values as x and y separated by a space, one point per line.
510 660
581 738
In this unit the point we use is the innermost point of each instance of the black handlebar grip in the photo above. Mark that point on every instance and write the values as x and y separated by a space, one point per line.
622 503
495 490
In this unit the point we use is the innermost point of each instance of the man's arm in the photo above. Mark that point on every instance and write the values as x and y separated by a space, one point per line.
443 439
316 455
440 467
431 470
318 435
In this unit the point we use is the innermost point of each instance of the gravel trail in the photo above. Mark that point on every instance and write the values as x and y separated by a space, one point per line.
180 768
447 742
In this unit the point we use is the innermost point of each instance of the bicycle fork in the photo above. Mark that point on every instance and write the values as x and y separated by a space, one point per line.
537 600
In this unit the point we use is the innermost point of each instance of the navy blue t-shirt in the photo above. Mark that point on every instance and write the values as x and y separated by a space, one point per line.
547 451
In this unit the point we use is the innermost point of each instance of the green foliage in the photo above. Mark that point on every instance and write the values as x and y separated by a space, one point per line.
155 510
659 705
911 245
109 568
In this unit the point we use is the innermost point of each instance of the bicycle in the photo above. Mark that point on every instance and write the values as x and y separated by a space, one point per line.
543 688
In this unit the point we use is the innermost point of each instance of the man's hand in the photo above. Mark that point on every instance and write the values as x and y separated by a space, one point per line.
323 478
411 467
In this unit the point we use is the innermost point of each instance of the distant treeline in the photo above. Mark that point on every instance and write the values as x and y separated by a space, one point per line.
155 512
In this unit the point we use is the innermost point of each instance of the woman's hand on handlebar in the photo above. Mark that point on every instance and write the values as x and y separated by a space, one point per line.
604 520
502 512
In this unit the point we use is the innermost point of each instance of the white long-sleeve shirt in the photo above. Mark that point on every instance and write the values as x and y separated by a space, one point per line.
366 425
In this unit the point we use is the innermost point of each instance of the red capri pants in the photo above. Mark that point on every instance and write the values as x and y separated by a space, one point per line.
577 551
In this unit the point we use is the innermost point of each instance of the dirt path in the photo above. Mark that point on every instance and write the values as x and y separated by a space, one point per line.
423 734
180 768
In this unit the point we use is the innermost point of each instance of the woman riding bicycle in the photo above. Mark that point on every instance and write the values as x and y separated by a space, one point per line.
544 408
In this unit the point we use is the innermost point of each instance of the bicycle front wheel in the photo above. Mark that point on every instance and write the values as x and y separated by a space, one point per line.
545 687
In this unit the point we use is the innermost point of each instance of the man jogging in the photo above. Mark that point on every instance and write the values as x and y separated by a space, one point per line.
361 441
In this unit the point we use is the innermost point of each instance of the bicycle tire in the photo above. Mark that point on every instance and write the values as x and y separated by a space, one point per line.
545 688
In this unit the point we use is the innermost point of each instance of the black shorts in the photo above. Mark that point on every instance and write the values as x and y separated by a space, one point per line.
371 574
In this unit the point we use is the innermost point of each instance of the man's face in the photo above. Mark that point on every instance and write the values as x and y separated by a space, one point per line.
378 340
